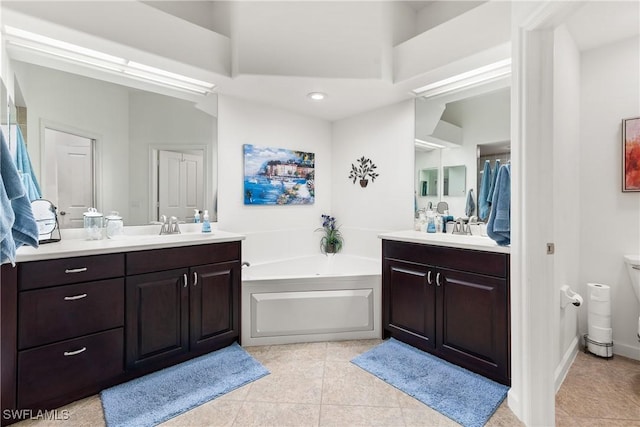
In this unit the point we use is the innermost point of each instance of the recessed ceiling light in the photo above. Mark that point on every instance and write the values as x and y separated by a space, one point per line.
317 96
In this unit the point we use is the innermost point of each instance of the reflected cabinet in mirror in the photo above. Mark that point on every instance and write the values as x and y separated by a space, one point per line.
117 148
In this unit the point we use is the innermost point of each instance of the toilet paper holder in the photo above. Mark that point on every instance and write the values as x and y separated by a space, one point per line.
567 296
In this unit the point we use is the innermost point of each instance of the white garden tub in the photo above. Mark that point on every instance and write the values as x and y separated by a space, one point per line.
316 298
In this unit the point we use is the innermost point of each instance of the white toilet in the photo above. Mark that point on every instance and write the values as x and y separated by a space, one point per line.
633 266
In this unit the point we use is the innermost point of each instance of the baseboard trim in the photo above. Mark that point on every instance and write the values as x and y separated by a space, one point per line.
563 367
632 352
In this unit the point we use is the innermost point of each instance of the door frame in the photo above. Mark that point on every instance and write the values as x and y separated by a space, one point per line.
97 155
533 340
153 174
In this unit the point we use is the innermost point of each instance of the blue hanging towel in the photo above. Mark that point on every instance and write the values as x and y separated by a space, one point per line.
17 223
494 176
499 225
23 163
483 203
470 206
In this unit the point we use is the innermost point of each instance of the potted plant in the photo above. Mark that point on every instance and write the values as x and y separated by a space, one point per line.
363 171
332 240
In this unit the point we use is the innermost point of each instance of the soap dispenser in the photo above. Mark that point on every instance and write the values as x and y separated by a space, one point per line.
431 222
206 226
196 216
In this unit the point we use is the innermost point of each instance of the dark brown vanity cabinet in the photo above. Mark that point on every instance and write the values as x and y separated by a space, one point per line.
453 303
181 311
70 335
71 327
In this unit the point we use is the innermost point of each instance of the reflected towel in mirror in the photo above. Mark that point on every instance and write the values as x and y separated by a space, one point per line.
499 225
470 206
485 184
23 164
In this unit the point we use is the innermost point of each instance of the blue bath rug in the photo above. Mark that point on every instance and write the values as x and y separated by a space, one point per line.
465 397
161 395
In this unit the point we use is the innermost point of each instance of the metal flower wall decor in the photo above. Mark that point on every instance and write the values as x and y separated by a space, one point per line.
365 170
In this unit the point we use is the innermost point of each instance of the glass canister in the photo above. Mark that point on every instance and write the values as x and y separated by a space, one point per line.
93 221
114 225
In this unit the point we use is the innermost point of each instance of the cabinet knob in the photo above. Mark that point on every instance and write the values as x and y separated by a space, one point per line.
185 280
438 279
195 278
429 278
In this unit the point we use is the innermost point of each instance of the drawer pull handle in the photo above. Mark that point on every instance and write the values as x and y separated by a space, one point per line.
73 353
195 278
429 278
185 280
76 270
438 279
636 267
75 297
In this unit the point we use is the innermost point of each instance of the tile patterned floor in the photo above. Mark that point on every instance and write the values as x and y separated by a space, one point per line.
315 385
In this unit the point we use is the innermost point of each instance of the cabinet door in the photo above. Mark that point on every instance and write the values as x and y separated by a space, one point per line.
474 323
157 316
214 300
409 303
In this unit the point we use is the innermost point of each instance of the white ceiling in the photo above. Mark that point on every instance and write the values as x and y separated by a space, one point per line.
598 23
362 54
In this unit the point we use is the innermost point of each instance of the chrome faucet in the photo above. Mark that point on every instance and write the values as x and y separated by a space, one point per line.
461 228
169 225
173 225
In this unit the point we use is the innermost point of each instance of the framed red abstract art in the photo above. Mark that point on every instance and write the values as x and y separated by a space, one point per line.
631 154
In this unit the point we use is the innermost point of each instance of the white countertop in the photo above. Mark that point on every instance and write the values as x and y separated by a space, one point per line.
480 243
139 238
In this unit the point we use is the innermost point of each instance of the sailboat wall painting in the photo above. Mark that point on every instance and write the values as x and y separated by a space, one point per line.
278 176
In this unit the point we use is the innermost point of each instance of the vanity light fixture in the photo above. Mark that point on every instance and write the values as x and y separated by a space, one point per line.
467 80
316 96
96 59
427 144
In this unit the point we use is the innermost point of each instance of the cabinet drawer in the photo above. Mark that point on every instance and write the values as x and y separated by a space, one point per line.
73 368
187 256
42 274
479 262
63 312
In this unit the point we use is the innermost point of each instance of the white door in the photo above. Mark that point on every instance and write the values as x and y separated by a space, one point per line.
69 176
180 184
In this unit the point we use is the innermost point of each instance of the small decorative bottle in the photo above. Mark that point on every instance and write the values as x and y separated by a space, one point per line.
196 216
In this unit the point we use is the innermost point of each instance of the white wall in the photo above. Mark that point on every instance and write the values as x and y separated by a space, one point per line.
273 232
609 219
67 102
386 137
566 178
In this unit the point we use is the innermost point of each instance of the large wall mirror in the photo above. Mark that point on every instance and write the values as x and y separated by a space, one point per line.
454 137
95 143
111 140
